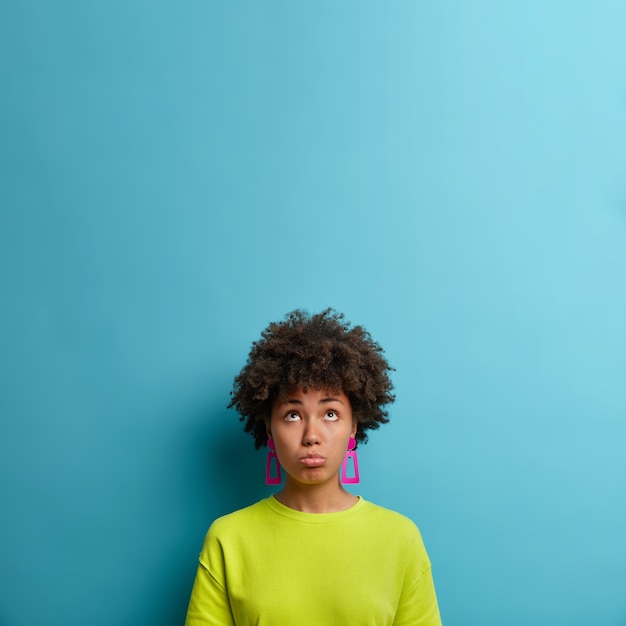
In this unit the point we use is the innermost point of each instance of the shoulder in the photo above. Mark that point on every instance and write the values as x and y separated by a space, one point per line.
390 518
229 531
398 534
395 526
245 518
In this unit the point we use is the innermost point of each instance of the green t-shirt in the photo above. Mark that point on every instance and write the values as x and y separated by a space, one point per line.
269 565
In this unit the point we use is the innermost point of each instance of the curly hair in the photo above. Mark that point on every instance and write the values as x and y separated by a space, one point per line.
320 351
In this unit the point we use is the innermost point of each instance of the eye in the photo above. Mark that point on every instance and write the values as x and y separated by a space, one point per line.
331 416
292 416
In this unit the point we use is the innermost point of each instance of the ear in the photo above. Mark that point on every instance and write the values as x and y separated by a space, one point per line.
268 427
354 428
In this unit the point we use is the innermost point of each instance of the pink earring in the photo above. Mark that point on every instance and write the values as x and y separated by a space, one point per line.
272 459
350 454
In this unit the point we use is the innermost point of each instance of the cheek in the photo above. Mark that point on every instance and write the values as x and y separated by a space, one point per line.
342 442
284 434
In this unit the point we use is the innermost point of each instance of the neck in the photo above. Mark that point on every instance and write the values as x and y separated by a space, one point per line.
318 498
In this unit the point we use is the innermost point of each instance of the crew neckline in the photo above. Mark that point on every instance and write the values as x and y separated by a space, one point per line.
313 518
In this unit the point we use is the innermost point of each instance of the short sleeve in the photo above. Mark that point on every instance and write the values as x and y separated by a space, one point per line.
418 605
418 601
209 604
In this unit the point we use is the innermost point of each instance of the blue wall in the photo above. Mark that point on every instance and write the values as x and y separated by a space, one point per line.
176 175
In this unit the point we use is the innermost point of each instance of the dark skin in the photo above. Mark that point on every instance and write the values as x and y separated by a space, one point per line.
314 352
311 431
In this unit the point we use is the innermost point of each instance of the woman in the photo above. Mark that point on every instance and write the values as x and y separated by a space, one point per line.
313 554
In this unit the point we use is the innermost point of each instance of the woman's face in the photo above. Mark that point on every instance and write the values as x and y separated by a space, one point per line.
311 432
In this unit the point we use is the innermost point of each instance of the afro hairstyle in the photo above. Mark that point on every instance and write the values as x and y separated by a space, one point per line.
320 351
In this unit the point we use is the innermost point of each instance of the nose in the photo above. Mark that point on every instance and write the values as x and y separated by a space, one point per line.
310 434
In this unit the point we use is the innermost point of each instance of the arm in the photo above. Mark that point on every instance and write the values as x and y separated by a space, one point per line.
209 604
418 605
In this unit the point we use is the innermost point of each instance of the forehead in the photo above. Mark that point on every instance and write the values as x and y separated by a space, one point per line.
299 395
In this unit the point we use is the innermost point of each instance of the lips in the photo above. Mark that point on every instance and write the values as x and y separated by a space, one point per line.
313 460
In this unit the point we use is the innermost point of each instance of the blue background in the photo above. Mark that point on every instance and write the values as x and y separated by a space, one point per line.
177 175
